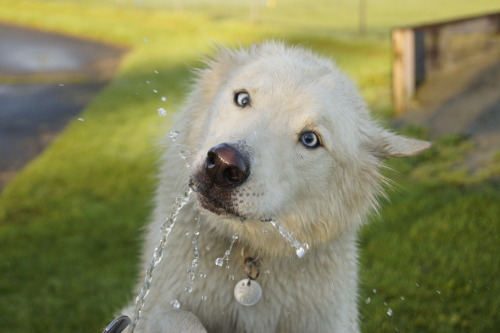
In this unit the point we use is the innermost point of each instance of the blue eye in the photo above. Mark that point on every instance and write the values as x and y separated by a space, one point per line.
242 99
310 139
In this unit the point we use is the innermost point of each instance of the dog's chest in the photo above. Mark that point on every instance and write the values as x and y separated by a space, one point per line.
288 292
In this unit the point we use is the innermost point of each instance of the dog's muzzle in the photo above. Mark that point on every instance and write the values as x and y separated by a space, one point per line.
225 169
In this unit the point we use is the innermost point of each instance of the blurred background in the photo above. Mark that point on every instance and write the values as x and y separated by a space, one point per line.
88 89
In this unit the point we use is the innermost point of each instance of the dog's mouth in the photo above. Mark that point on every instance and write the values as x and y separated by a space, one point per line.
214 199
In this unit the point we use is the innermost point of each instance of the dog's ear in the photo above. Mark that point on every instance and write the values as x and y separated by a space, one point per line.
388 145
217 70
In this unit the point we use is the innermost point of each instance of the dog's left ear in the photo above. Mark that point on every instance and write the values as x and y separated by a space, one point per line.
388 145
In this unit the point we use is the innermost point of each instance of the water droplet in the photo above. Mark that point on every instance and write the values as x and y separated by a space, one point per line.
155 71
403 298
219 262
203 275
145 39
301 252
374 291
175 304
189 289
81 119
173 135
389 312
208 247
368 300
163 98
232 277
162 112
148 82
155 91
61 84
204 298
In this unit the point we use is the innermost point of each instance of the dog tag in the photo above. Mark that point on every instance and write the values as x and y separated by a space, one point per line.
247 292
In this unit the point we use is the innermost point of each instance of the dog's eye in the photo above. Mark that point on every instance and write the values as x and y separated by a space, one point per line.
310 139
242 99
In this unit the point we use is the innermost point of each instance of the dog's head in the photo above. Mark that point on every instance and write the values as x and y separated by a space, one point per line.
279 133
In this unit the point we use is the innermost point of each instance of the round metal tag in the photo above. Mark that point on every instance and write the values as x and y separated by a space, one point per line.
247 292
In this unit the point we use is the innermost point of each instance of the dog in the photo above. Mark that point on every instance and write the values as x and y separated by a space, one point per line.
284 164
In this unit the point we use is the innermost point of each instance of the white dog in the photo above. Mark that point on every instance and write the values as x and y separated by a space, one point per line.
278 137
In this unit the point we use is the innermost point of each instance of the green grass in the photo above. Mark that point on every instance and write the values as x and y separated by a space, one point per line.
433 261
69 221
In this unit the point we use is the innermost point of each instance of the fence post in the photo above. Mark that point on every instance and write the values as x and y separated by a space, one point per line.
403 71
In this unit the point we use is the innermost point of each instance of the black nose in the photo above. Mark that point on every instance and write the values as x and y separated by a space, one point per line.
226 166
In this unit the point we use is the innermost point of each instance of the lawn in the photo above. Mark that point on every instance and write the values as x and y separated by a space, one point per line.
69 222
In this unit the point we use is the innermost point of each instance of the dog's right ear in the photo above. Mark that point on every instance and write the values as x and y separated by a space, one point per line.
387 145
219 65
221 62
209 78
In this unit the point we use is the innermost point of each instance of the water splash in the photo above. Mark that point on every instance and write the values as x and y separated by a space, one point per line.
196 257
300 248
166 228
175 304
220 261
186 156
173 135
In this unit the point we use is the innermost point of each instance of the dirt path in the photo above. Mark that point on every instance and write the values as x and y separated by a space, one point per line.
45 81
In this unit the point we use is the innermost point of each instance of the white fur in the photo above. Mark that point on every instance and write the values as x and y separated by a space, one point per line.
322 195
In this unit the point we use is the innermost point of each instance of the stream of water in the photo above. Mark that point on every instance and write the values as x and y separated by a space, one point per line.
166 228
300 248
181 201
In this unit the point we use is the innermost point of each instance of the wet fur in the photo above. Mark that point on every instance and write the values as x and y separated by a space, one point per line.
323 195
